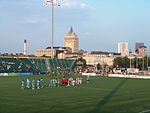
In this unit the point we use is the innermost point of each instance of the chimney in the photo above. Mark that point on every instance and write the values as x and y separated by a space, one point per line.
25 47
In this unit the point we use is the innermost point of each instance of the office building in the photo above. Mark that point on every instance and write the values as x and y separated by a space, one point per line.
138 44
123 48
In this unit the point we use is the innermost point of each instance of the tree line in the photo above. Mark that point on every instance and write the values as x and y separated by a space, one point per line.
125 62
122 62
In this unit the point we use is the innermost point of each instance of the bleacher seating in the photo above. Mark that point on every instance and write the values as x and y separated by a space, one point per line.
34 64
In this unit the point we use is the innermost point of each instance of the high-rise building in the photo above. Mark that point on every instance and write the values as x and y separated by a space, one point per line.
141 51
138 45
71 40
123 48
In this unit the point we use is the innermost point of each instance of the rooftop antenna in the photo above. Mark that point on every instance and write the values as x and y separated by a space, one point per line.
53 3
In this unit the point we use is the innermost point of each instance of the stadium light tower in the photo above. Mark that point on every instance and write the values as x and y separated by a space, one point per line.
147 60
53 3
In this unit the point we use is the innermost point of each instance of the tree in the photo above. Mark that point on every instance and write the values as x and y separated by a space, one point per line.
121 62
98 66
81 61
117 62
126 62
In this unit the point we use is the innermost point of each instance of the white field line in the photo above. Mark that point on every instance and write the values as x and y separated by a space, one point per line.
146 111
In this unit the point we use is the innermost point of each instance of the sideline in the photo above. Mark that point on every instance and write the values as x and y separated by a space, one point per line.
146 111
129 76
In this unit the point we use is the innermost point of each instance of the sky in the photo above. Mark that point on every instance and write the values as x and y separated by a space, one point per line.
99 24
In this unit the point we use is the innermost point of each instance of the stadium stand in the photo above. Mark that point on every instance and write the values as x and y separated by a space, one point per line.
34 65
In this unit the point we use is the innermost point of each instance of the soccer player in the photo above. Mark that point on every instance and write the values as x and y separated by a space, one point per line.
80 80
59 82
33 85
41 83
54 82
73 82
68 82
77 81
51 83
38 84
88 79
28 83
22 84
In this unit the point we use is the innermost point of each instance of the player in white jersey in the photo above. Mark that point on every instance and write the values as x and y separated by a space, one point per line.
33 84
22 84
41 83
80 80
73 82
38 84
28 83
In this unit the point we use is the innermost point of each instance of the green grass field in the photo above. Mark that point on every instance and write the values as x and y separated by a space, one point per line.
101 95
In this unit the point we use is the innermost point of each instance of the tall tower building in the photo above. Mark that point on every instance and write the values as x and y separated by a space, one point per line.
138 45
25 47
71 40
123 48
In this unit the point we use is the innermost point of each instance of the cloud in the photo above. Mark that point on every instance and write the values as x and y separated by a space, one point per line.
76 4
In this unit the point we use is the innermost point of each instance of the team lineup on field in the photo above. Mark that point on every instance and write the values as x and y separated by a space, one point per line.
54 82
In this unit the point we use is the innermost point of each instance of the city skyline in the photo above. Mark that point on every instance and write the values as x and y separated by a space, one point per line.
101 24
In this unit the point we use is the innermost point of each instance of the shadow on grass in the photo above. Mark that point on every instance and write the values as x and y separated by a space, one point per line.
107 97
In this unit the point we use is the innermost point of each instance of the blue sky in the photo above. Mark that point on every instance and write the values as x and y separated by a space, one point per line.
100 24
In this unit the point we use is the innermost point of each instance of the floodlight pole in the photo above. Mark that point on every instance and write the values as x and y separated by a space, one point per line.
143 64
53 3
52 41
147 60
136 62
130 62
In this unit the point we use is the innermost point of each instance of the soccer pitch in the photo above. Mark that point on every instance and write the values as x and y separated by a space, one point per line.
101 95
